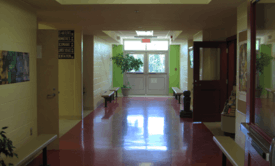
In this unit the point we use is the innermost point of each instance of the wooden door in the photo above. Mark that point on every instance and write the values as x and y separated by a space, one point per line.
210 74
260 110
47 85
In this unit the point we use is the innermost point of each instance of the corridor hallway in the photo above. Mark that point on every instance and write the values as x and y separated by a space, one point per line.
136 131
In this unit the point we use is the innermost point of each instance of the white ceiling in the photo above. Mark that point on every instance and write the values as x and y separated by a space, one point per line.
124 19
86 2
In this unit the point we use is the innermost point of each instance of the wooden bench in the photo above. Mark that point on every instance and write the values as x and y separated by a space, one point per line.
231 150
115 89
177 93
30 149
108 96
272 91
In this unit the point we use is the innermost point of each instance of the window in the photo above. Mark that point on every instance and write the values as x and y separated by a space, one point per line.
157 45
191 58
141 57
156 63
137 45
258 44
134 45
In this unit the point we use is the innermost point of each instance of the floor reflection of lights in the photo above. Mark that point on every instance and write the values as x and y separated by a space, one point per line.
145 164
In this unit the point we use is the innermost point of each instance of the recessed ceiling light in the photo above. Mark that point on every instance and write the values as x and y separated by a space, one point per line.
144 33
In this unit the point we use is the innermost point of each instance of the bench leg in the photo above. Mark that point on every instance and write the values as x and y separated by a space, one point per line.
223 160
45 157
116 94
179 99
105 101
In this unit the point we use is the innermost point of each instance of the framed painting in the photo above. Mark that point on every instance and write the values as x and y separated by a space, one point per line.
242 70
14 67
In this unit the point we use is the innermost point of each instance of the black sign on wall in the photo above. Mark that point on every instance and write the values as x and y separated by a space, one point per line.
66 44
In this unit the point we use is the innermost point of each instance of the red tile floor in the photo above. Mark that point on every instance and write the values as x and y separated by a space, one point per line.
136 131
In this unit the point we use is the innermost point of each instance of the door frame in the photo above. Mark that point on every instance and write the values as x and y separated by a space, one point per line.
251 154
251 69
146 73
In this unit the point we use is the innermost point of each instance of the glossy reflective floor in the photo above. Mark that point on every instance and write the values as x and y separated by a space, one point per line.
136 131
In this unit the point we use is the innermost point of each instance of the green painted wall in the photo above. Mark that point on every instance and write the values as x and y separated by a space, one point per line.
174 62
117 76
266 77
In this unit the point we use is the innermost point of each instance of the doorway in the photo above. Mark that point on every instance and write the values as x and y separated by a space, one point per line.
210 80
152 78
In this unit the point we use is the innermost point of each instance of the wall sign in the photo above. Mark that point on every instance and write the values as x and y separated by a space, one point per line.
66 44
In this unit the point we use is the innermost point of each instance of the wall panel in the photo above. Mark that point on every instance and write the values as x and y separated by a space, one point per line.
18 103
102 69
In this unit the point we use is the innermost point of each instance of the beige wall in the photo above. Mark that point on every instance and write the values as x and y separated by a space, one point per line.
102 69
18 102
70 81
184 65
88 72
219 34
240 117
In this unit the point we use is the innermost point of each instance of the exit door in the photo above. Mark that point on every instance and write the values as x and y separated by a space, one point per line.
210 74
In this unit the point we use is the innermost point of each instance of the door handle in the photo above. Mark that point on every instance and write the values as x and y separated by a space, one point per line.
271 153
51 95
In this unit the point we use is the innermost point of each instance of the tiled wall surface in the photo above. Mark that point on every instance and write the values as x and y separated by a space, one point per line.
240 117
18 102
184 65
102 69
190 72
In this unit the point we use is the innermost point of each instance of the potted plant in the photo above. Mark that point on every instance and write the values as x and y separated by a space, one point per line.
262 60
6 147
126 64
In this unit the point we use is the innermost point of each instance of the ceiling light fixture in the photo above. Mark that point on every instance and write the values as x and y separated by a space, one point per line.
144 33
145 37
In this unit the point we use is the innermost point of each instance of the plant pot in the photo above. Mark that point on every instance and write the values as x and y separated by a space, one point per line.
258 93
125 91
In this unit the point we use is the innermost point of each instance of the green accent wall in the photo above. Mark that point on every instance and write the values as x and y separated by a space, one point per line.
117 76
174 62
266 77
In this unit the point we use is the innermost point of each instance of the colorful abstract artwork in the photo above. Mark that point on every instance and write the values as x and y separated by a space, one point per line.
243 67
14 67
